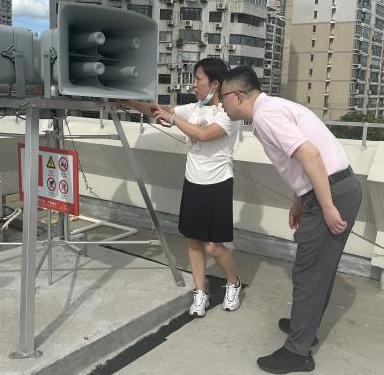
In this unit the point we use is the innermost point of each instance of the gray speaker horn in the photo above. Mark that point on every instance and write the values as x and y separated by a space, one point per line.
103 52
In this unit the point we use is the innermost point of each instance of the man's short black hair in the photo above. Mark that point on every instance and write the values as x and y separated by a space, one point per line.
214 68
246 77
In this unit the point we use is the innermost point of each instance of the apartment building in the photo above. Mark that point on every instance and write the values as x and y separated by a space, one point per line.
335 56
6 12
191 30
273 58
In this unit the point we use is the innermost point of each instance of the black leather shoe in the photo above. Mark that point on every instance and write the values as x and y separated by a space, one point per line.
282 361
284 326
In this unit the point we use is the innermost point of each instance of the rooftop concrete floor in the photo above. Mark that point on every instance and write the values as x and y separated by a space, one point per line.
100 301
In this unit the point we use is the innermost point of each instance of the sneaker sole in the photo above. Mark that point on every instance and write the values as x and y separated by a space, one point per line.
230 309
307 368
196 315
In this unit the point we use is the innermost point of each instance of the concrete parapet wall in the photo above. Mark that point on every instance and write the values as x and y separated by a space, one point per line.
261 198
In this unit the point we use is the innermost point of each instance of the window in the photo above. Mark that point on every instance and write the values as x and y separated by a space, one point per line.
313 42
187 78
245 60
309 86
185 99
247 19
164 78
165 36
193 14
165 58
165 14
190 35
189 56
310 72
315 14
246 40
164 99
143 9
312 56
308 99
314 28
215 16
214 38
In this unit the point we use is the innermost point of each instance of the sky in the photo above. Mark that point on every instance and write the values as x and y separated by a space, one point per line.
31 14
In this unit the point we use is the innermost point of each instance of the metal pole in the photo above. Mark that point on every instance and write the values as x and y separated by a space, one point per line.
28 266
50 250
132 164
365 134
59 143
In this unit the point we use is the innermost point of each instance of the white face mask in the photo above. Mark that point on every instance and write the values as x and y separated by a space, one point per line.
207 99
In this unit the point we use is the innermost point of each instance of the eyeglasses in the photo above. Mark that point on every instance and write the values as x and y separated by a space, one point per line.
222 96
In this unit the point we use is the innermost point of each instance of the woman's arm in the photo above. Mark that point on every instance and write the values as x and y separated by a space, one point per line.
203 134
146 108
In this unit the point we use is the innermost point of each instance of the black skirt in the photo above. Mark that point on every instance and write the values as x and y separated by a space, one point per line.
206 211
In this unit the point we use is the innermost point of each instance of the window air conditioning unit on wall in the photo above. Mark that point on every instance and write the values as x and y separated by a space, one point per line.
170 23
219 25
169 45
177 86
231 47
188 23
171 66
179 66
169 88
221 5
218 47
168 1
188 88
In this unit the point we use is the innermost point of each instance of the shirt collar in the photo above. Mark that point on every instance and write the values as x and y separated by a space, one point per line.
258 100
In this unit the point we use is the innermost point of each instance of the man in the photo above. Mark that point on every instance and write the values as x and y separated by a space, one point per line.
326 200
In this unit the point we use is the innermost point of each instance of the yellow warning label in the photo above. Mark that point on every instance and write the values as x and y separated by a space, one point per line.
51 163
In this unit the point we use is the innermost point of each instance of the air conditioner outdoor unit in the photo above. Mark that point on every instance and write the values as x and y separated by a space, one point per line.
231 47
219 25
169 45
179 66
218 47
171 66
188 23
170 23
168 1
177 86
188 87
221 5
169 88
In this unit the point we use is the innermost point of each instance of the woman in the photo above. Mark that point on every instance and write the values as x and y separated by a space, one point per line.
206 217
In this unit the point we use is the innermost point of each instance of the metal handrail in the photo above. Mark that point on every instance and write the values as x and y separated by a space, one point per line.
364 125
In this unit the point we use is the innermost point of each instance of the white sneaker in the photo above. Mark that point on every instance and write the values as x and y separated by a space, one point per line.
232 296
200 303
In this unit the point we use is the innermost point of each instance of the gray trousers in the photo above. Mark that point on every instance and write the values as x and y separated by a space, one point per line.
317 257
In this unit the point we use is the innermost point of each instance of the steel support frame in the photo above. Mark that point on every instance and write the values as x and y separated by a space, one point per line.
37 108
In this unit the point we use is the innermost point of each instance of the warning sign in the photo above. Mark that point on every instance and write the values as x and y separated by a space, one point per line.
63 164
57 179
63 187
51 163
51 184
